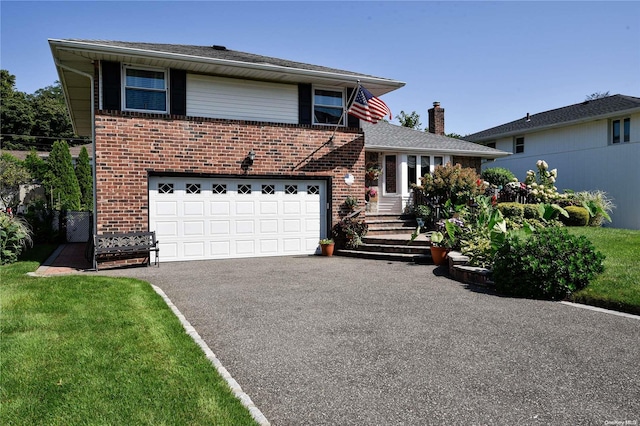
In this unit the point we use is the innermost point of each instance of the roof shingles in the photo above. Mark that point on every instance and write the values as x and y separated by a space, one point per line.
555 117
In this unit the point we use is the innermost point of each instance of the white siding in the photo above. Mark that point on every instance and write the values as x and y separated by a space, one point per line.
235 99
585 161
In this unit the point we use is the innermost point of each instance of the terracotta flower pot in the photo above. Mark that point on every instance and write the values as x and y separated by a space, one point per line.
439 255
327 249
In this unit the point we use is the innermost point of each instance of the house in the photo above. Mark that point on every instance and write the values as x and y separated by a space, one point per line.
595 145
223 154
404 155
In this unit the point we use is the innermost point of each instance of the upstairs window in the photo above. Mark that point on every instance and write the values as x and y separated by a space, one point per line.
518 144
145 90
328 107
621 130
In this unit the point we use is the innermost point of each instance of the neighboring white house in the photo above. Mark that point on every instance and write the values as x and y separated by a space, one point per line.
595 145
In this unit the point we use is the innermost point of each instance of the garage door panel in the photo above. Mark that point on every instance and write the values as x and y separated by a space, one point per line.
220 249
167 208
269 226
220 227
268 207
194 249
245 247
216 218
291 226
195 228
244 227
220 208
167 228
244 207
291 207
269 246
193 208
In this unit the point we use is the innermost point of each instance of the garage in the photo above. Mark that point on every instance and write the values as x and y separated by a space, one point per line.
199 218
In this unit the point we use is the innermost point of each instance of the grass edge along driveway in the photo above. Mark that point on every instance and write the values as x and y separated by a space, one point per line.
101 350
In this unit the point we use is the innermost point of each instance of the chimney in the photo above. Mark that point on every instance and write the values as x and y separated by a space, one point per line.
436 119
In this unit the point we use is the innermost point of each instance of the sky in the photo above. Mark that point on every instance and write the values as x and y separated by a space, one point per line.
487 63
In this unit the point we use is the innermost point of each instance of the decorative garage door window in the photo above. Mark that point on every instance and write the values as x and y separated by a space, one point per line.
193 188
219 188
291 189
220 218
165 188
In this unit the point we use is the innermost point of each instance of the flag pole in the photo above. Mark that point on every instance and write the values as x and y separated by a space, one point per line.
349 102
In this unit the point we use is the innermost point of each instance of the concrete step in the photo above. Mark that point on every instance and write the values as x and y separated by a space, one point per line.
391 230
389 248
397 240
393 257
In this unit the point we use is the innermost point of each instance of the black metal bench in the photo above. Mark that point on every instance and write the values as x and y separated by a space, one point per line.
125 245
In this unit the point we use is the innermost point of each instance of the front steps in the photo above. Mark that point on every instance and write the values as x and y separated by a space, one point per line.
389 224
392 247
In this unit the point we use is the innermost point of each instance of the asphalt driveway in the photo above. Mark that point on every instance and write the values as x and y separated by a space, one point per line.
341 341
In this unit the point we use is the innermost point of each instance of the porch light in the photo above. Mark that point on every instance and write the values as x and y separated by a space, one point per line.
251 156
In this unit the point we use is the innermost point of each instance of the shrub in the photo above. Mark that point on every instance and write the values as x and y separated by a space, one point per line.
498 176
15 235
578 216
597 203
453 183
550 264
531 211
512 210
348 232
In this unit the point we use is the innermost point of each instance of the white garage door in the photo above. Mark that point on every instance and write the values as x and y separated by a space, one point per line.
205 218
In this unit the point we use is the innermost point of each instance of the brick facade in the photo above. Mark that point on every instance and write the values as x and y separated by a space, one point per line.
130 146
471 162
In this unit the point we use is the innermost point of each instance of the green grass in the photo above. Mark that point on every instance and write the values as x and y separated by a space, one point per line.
619 286
99 350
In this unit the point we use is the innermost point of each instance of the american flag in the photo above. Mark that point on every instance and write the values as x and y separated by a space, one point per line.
367 107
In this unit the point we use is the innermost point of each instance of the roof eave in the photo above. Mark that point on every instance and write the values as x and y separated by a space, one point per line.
557 125
462 153
386 85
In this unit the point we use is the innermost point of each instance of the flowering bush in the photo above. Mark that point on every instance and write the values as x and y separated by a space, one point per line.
455 183
448 233
542 183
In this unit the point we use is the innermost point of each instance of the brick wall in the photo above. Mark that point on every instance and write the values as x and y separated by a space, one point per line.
131 145
471 162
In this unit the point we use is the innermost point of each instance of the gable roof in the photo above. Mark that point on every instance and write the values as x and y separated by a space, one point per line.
75 63
386 136
610 106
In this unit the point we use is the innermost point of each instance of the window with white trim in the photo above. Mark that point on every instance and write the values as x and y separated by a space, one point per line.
518 145
144 89
620 130
328 106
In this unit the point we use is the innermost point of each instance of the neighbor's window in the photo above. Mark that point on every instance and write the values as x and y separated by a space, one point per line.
518 144
145 90
621 130
328 106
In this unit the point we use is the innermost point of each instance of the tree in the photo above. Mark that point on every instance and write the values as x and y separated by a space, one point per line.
597 95
16 113
32 120
411 121
36 165
453 135
61 178
12 175
85 180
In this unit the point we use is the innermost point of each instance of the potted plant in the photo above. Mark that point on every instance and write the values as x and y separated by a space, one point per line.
326 246
351 202
372 171
438 251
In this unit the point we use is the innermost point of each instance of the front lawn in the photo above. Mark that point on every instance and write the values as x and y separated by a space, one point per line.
98 350
619 286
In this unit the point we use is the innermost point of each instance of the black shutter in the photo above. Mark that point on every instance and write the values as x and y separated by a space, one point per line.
351 120
304 103
178 87
111 92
